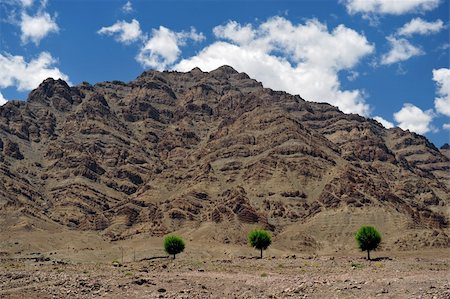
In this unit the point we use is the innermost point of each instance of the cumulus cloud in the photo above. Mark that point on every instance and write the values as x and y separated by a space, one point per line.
163 47
392 7
446 126
2 100
127 7
385 123
123 31
401 50
419 26
15 71
442 102
301 59
35 28
414 119
160 49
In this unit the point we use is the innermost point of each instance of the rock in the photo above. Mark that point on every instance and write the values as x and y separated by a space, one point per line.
141 281
11 149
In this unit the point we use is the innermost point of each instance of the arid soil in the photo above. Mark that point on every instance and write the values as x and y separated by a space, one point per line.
224 272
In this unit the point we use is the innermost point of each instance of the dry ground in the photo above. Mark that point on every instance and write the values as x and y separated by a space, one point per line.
212 271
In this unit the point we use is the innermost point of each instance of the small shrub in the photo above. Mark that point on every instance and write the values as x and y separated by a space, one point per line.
368 239
259 239
173 245
116 263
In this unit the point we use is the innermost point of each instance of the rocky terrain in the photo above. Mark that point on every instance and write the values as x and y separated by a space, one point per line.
214 154
190 276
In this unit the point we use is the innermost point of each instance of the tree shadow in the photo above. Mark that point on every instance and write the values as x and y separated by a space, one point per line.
381 258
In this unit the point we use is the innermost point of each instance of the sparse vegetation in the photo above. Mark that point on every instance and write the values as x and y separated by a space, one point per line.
379 265
357 266
116 263
173 245
259 239
368 239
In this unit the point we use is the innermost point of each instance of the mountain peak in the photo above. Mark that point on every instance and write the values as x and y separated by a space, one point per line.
196 70
53 92
224 69
48 88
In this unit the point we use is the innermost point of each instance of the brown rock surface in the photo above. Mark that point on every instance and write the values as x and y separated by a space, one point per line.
208 151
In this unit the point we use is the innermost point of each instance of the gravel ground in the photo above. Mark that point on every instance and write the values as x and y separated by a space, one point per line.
402 276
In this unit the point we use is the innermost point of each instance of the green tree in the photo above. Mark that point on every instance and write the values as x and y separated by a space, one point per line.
173 245
368 239
259 239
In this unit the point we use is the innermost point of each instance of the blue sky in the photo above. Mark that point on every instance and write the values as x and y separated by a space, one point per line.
384 59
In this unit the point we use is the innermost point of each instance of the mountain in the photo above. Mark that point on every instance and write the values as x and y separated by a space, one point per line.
213 154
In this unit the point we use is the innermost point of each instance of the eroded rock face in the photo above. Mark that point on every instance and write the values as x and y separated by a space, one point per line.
173 149
11 149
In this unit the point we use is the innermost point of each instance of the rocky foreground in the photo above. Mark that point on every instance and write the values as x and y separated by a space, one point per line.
391 275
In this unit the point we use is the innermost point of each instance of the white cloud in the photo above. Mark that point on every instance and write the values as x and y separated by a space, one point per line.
301 59
393 7
183 36
352 75
35 28
26 3
446 126
160 50
15 71
235 32
401 50
443 47
419 26
442 78
414 119
2 100
163 47
124 32
385 123
127 7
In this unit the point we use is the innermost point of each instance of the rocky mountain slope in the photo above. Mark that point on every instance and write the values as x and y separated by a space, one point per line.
214 153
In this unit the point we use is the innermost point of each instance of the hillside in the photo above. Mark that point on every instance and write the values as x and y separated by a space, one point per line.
209 152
